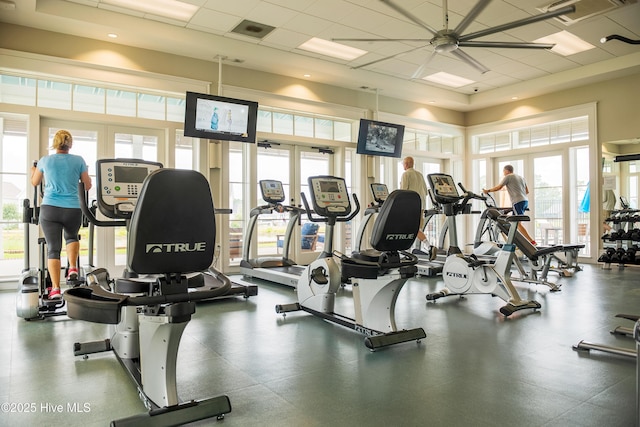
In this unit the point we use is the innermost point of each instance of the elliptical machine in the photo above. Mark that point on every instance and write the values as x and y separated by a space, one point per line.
466 274
377 275
32 299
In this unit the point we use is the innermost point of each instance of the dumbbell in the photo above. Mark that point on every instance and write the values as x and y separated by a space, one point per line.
606 256
617 255
630 256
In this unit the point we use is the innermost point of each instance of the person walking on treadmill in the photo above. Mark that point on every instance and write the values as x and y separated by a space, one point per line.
414 180
518 190
60 207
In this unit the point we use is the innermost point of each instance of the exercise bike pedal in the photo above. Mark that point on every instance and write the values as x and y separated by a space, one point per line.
436 295
285 308
509 309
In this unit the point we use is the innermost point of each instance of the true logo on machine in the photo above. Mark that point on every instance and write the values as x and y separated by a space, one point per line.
456 275
153 248
401 236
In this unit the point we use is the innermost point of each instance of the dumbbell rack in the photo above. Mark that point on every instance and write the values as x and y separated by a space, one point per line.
622 244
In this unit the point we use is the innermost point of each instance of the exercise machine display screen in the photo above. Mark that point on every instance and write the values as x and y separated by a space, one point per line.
272 191
380 192
443 187
329 196
129 174
119 184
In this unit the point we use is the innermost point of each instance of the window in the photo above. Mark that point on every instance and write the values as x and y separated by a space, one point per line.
14 142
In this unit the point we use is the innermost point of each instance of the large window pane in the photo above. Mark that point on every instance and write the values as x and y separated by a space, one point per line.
13 190
175 110
548 199
236 196
283 123
89 98
121 103
17 90
151 106
273 164
304 126
54 95
324 128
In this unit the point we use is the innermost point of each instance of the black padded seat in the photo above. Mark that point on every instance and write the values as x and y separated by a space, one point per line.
173 227
394 230
171 234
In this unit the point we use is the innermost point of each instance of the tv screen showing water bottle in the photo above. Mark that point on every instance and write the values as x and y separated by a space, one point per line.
220 118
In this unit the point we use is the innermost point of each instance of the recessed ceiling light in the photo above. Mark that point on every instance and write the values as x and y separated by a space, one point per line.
448 79
112 35
514 97
565 43
333 49
173 9
307 75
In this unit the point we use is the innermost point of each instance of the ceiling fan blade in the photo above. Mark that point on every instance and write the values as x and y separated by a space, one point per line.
469 60
423 40
418 73
519 23
387 57
514 45
409 15
479 7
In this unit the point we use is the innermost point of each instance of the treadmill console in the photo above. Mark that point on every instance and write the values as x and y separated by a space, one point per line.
329 196
380 192
119 182
443 188
272 191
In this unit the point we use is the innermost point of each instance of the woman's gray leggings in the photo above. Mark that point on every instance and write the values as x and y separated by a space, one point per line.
53 221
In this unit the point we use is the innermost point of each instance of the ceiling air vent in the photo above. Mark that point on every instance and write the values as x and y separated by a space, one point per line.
584 8
253 29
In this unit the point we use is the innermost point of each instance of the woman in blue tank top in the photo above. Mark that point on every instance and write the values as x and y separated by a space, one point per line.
60 209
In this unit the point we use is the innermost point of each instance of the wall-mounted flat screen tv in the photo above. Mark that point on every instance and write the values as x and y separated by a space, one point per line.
217 117
380 139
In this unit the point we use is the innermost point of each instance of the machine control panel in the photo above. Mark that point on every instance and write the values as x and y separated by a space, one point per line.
272 191
380 192
329 196
119 182
443 187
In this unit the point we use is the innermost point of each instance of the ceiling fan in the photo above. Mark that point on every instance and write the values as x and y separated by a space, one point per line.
451 40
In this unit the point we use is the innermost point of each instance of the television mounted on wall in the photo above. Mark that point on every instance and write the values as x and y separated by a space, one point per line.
379 138
217 117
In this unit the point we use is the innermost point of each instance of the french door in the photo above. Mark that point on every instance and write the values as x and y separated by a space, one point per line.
94 142
545 178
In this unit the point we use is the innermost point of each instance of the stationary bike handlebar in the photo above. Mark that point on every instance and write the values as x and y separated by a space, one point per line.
325 218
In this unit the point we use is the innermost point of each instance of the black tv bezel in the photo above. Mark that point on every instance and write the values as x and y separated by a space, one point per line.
361 147
190 118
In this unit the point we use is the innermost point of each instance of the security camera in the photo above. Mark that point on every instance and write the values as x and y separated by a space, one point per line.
475 89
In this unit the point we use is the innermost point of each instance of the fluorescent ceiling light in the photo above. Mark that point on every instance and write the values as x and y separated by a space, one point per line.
168 8
333 49
566 43
448 79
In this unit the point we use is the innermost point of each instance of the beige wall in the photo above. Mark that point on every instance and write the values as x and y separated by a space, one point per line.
618 107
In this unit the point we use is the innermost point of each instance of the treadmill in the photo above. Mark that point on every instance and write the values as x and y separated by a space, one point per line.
276 269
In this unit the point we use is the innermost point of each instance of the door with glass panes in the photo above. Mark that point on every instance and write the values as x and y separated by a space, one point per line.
103 141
